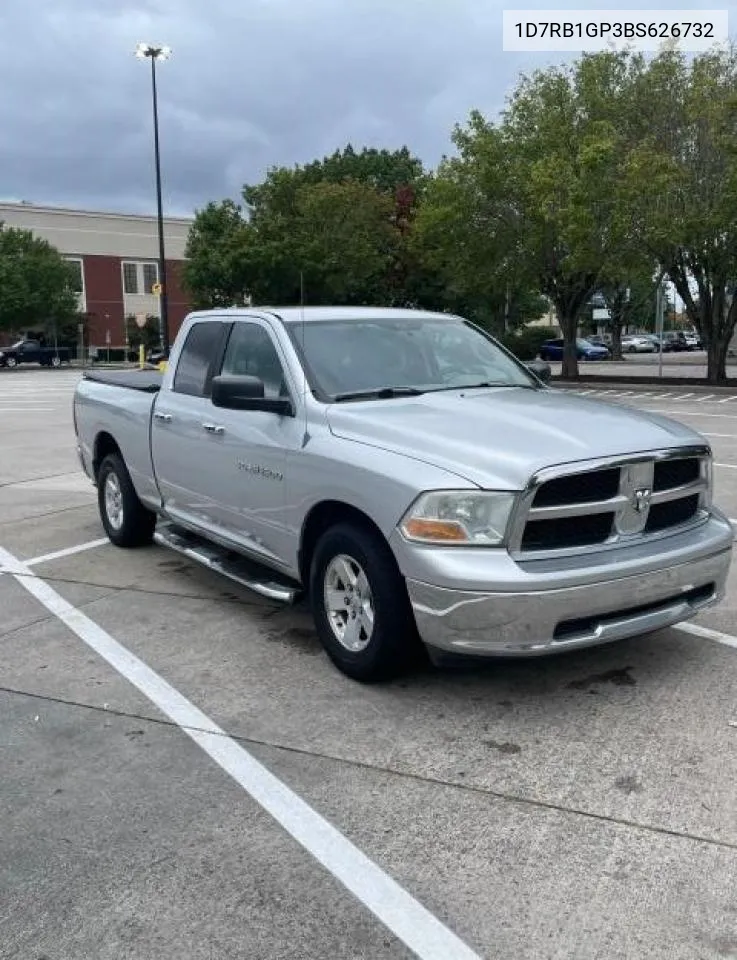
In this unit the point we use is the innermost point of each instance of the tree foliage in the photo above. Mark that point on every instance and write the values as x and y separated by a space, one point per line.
37 285
216 270
681 183
335 228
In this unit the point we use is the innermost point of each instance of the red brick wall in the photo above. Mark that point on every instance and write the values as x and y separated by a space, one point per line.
178 304
104 291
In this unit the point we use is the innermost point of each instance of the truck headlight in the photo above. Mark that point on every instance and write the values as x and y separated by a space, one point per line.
458 518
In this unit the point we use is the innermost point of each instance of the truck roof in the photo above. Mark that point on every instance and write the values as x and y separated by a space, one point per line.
316 314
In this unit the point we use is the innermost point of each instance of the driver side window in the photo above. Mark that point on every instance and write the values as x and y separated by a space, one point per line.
251 353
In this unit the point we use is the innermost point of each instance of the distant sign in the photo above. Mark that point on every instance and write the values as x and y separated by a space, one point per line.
107 336
601 313
156 289
141 320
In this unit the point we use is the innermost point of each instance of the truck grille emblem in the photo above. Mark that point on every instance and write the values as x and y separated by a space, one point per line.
636 485
641 499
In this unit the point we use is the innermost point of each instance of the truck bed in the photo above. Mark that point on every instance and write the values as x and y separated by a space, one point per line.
147 381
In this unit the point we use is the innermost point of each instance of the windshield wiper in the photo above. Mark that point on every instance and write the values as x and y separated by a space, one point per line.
487 383
379 393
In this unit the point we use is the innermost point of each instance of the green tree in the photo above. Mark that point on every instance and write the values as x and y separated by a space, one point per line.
280 209
216 270
36 284
344 242
682 187
531 203
566 133
464 235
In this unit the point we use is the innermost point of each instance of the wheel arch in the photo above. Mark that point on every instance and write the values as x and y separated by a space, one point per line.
322 516
105 444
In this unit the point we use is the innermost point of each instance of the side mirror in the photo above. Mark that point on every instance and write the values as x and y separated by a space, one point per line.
541 369
247 393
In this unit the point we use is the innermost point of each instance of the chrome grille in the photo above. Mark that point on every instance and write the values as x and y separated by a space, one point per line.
604 504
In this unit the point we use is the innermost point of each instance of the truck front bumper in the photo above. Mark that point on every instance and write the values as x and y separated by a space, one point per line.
548 611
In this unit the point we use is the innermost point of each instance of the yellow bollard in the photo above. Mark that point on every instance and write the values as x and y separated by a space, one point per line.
163 366
141 356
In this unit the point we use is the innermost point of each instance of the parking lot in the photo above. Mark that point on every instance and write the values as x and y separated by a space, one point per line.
185 775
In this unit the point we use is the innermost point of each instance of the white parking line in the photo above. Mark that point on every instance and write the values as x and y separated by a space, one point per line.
727 466
693 413
398 910
726 639
67 552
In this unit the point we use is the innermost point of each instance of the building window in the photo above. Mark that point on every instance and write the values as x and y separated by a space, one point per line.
150 276
78 276
139 277
130 277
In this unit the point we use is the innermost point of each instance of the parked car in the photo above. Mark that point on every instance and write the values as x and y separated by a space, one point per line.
694 341
600 340
675 340
637 344
404 473
585 350
31 351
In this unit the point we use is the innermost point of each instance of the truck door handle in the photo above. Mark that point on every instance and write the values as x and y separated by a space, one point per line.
164 417
213 428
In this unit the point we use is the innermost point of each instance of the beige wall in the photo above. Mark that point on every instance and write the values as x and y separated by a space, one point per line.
107 234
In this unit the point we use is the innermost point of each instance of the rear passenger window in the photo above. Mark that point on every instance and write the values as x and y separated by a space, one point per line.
200 348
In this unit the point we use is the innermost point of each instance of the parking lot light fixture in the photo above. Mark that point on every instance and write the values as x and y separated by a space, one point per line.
155 52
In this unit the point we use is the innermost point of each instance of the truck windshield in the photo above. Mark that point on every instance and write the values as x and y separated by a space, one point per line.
346 357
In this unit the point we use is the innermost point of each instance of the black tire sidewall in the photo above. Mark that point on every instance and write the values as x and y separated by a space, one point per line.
138 522
394 637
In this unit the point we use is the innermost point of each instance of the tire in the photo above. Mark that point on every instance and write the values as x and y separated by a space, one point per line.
11 362
356 559
55 362
125 519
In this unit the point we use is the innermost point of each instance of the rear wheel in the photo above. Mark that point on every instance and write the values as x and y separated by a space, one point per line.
56 361
125 519
360 604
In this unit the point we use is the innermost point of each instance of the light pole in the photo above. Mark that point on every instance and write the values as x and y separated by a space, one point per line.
153 53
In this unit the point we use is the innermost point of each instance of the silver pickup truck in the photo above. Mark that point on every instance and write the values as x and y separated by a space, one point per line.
411 478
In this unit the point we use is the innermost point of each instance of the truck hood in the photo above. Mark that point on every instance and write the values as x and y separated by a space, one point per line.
498 438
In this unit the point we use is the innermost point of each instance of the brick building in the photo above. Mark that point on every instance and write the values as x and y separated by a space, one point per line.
117 256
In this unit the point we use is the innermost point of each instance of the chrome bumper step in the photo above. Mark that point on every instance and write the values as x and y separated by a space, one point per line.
247 573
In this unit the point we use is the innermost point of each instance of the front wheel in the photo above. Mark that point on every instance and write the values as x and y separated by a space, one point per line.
360 604
125 519
11 362
56 361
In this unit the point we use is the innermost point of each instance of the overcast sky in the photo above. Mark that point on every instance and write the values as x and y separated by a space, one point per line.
251 84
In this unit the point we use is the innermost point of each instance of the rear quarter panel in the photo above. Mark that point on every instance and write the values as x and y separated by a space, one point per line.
126 416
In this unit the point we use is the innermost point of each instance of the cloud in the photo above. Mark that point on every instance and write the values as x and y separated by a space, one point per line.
250 85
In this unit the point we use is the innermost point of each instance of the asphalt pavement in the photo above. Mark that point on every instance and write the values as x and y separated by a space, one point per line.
185 775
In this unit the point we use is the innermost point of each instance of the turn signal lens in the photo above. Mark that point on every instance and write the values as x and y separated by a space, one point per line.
436 530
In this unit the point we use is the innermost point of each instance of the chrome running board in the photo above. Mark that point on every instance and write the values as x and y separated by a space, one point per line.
235 567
